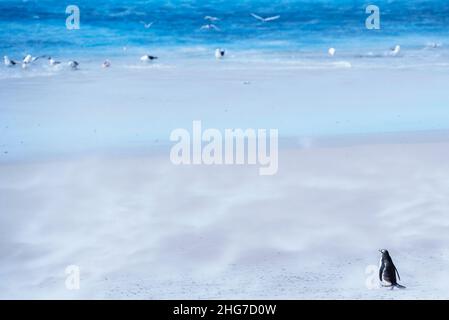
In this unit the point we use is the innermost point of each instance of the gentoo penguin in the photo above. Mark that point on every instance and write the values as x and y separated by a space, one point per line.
9 62
219 53
73 64
106 64
53 62
388 271
331 51
147 58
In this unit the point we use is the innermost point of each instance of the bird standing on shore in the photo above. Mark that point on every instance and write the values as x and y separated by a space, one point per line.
53 62
388 271
8 62
29 59
395 51
220 53
73 64
147 58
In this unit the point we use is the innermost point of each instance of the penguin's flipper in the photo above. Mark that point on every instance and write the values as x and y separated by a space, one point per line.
397 272
381 271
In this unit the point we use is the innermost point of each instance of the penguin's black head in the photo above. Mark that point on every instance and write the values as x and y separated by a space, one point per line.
384 252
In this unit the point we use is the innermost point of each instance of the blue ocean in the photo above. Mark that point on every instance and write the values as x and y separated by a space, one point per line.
39 26
277 72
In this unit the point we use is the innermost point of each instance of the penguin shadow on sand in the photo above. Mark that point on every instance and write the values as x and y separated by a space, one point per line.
388 271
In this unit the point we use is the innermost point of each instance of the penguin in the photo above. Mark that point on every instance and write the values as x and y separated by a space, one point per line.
388 271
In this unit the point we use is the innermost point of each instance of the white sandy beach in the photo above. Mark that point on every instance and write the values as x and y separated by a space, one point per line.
85 179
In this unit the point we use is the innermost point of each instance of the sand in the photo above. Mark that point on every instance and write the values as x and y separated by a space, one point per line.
86 180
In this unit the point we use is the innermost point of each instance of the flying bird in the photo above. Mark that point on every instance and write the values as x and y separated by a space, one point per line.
331 51
147 25
265 19
210 18
210 26
388 271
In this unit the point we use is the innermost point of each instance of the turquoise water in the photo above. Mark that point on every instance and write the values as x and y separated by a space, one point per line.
340 100
107 26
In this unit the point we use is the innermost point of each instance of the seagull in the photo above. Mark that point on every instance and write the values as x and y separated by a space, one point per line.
147 58
210 18
147 25
219 53
53 62
210 26
331 51
9 62
395 51
28 59
265 19
73 64
106 64
434 45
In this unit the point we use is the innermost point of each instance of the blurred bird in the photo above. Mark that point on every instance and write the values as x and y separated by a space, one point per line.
395 51
147 25
28 59
9 62
219 53
265 19
73 64
210 26
147 58
210 18
53 62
